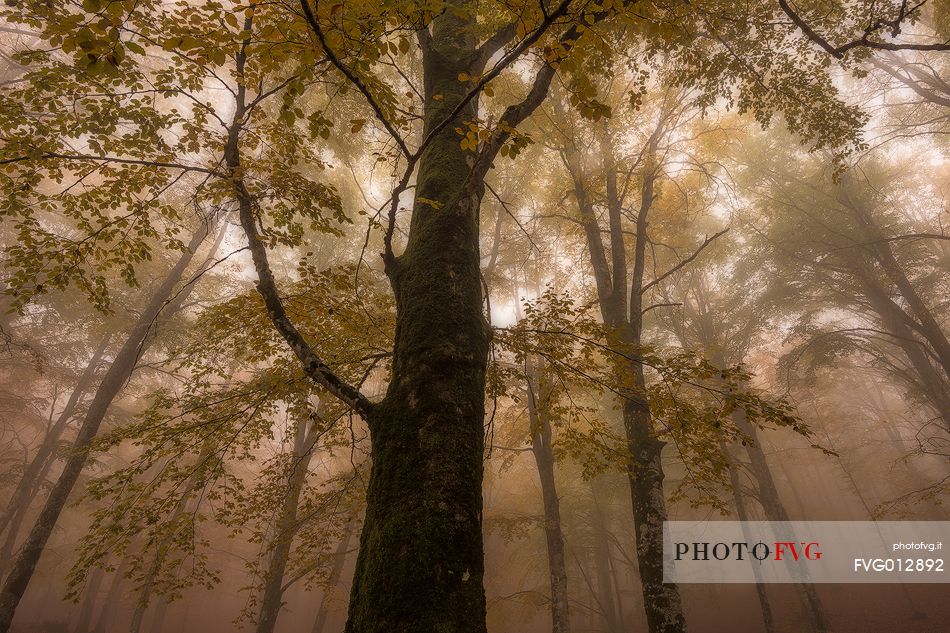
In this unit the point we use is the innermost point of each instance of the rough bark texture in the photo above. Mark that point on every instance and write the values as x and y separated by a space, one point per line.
112 382
544 460
661 602
420 564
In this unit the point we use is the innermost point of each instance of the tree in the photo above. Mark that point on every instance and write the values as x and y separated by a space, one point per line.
874 263
35 472
441 339
723 319
164 297
194 472
424 501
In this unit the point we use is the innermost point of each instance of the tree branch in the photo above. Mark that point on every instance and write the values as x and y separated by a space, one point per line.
111 159
686 261
659 305
351 76
494 43
313 365
497 69
865 39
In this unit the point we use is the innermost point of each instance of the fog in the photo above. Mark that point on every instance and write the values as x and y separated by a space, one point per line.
427 316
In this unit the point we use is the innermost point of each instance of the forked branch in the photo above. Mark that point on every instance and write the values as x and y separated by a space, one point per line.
867 37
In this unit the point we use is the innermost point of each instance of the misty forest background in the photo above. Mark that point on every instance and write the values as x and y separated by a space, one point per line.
423 315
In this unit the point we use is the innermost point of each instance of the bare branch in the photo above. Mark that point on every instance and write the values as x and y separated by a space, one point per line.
865 40
659 305
920 90
685 262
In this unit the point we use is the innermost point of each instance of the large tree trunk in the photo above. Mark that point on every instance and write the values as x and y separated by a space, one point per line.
544 460
285 527
336 571
420 564
19 578
661 602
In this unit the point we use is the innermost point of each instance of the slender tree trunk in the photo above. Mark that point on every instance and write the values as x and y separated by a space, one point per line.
22 510
336 571
742 512
30 484
22 494
605 580
661 602
544 460
420 564
111 603
19 578
775 510
158 617
285 527
618 595
89 601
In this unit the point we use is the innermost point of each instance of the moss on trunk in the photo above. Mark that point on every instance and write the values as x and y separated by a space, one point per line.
420 563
